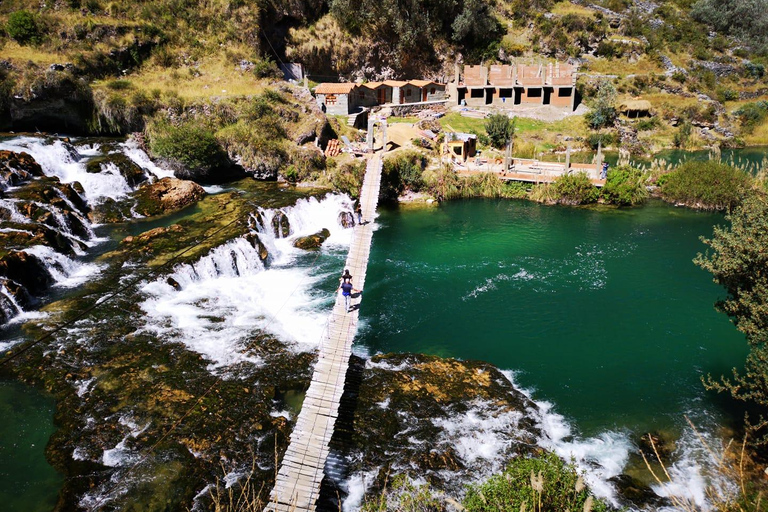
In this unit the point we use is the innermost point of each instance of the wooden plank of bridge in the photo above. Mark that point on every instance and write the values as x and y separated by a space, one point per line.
302 469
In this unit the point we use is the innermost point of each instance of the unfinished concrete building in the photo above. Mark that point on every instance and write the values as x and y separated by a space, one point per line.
507 86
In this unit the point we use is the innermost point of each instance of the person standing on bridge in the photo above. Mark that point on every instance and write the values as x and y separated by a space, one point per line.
359 212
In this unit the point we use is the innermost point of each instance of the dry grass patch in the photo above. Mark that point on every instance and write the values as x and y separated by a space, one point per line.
759 136
621 67
21 55
563 8
213 77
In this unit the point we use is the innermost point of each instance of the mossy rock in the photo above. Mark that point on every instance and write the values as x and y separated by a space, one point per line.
16 168
312 242
280 224
405 402
51 191
133 174
167 195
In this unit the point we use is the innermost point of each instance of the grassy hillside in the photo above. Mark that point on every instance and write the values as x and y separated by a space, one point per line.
120 62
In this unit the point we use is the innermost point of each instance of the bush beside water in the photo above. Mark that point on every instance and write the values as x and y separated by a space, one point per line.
710 185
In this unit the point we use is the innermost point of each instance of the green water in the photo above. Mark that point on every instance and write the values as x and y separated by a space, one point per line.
27 482
602 312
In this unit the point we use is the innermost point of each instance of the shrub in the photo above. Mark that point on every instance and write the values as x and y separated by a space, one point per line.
726 94
607 139
541 483
265 68
752 70
646 125
682 135
575 189
709 185
401 173
603 105
191 144
348 177
119 85
23 28
752 114
500 129
625 186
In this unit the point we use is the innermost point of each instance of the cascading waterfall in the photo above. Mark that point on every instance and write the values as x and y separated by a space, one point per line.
68 162
215 304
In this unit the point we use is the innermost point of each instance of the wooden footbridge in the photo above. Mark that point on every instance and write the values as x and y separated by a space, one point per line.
302 469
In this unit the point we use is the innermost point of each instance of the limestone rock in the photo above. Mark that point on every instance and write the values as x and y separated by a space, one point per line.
167 195
16 168
312 242
132 173
257 244
27 270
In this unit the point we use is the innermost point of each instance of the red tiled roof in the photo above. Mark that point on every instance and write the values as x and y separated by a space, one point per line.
331 88
394 83
373 85
421 83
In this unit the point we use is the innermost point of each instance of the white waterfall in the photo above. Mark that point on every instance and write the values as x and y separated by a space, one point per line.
229 295
68 163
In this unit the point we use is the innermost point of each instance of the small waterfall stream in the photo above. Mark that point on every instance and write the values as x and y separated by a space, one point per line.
60 222
214 304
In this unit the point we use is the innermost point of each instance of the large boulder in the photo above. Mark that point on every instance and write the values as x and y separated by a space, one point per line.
280 224
16 168
312 242
167 195
127 168
27 270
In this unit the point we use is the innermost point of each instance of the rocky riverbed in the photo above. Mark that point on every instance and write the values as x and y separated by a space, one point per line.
190 341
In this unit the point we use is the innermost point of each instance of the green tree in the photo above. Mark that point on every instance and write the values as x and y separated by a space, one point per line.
603 106
625 185
22 27
738 260
500 129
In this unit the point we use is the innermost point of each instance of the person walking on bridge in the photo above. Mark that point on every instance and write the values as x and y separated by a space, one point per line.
359 212
346 291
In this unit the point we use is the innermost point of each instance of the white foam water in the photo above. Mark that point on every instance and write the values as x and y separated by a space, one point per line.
67 272
229 294
131 149
696 477
68 163
695 474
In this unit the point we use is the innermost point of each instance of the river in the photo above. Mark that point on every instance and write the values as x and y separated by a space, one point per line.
599 313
